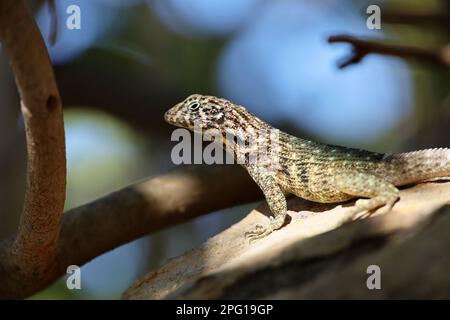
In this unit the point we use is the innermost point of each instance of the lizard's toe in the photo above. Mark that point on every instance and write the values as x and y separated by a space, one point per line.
257 233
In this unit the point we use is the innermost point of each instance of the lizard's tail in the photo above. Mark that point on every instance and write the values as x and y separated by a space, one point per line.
420 165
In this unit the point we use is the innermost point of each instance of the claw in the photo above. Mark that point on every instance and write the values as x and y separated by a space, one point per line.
262 231
258 233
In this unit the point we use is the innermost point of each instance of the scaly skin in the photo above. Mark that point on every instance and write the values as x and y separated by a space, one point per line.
314 171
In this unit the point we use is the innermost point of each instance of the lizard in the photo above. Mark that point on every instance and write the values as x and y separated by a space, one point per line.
311 170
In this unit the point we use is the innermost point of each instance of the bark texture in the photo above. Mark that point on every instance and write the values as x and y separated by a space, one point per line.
315 257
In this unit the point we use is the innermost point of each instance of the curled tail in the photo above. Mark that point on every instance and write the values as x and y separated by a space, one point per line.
416 166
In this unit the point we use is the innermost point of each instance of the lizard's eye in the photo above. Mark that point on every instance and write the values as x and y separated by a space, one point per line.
194 106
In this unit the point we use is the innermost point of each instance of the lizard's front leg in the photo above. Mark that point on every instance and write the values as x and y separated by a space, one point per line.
275 199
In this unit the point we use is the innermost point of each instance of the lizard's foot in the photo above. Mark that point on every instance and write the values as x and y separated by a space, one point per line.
258 233
364 208
262 231
387 208
359 211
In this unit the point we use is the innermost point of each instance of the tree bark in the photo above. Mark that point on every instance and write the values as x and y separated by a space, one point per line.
32 252
316 257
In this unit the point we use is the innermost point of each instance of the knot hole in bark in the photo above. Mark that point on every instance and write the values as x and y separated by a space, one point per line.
52 103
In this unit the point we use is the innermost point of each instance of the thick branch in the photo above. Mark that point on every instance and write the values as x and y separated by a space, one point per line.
362 48
33 250
128 214
315 256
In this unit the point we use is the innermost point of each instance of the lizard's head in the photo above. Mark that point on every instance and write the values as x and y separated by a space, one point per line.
199 113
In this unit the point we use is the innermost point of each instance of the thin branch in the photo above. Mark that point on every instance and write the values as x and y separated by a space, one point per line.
362 48
32 252
130 213
433 20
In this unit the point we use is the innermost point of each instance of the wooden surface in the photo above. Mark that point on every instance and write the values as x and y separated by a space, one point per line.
317 255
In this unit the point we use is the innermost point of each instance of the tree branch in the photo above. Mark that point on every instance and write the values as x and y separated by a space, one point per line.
434 20
32 252
362 48
137 210
316 256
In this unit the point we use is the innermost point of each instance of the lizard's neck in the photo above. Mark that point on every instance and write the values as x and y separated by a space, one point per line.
243 132
240 120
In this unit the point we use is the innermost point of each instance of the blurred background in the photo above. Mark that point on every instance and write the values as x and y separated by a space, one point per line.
134 59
